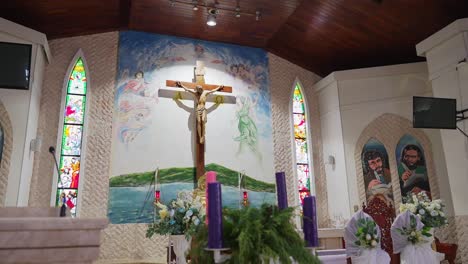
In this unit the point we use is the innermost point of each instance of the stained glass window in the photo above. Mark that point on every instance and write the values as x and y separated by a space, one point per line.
301 144
72 137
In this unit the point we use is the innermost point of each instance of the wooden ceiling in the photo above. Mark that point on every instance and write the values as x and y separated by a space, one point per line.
320 35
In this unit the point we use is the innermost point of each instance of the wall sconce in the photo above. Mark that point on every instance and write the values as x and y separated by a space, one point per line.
35 144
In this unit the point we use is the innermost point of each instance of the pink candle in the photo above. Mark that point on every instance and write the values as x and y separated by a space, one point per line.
210 177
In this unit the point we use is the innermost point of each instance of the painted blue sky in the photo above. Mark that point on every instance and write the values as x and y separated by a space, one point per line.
146 52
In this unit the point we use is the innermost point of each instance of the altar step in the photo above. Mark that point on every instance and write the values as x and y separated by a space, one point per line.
332 256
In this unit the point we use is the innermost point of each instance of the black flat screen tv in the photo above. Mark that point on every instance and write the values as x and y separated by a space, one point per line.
431 112
15 65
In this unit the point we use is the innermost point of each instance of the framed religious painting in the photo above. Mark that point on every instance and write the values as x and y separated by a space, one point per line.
376 172
412 171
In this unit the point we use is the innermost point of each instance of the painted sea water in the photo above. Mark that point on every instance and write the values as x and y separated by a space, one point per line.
135 204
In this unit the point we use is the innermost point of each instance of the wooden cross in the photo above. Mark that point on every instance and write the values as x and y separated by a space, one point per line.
201 90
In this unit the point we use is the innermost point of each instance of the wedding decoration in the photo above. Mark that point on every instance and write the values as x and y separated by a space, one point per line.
412 240
430 212
367 236
256 235
362 238
412 233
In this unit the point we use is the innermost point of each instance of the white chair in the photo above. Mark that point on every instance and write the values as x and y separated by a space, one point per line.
360 254
412 253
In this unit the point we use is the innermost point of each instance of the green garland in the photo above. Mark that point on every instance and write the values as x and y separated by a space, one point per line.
254 235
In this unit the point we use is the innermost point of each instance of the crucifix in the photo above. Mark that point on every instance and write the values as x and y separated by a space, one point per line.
200 92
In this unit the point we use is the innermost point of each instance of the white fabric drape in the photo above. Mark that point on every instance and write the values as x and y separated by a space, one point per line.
358 254
420 253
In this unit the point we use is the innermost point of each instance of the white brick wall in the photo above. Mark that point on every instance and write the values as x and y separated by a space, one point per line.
7 128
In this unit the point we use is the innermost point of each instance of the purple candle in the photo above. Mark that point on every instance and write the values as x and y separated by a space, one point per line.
281 192
310 222
210 177
215 216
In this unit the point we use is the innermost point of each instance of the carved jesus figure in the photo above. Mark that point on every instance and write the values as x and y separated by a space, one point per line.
200 96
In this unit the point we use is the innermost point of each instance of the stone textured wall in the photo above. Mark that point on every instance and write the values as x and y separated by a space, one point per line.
120 242
461 223
6 126
388 129
100 53
283 76
126 243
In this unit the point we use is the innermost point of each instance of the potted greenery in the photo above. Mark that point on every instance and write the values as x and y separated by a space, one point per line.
256 235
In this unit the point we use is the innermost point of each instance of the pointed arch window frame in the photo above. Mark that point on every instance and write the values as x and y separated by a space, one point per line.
308 140
54 195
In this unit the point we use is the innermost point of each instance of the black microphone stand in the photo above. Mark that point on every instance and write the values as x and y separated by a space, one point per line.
63 208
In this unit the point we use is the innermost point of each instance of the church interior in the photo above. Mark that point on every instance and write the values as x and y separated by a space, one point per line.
234 131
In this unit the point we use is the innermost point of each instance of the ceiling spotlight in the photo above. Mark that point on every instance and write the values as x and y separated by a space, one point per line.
195 5
211 20
257 15
238 12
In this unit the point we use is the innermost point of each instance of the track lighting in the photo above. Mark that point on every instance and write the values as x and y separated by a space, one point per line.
238 12
211 19
214 9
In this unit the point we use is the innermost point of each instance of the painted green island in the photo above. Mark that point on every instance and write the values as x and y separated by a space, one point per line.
225 176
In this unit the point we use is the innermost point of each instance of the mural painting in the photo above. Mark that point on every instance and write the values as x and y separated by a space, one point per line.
376 170
156 131
411 163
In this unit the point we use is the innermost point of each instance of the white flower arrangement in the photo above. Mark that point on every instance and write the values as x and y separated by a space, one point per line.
430 212
367 234
181 216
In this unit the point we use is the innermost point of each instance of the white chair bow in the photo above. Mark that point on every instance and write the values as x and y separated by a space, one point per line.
417 251
360 254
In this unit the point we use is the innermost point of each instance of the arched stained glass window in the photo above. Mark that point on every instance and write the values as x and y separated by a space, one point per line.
72 136
303 165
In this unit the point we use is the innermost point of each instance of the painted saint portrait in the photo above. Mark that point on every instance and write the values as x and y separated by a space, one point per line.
376 170
412 170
